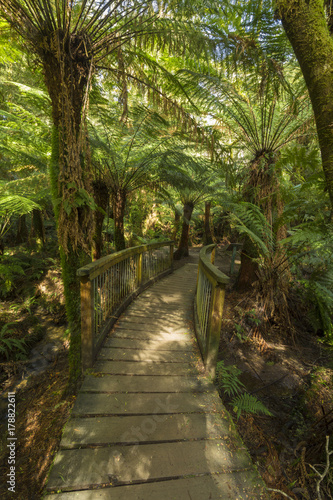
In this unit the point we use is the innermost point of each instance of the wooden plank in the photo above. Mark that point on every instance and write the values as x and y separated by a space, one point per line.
148 428
145 404
144 368
85 468
126 333
145 355
144 384
163 344
244 485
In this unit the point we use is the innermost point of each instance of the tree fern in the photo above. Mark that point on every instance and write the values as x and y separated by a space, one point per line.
248 220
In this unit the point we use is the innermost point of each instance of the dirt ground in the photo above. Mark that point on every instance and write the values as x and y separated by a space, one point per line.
293 377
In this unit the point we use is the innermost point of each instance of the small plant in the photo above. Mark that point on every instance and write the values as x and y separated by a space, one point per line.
240 331
227 378
7 345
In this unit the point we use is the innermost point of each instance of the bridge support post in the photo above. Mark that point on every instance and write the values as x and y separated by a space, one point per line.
171 255
140 269
87 323
214 328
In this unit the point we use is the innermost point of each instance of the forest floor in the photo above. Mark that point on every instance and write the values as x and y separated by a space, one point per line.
291 374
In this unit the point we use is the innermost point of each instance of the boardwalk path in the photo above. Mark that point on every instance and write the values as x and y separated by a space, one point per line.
146 425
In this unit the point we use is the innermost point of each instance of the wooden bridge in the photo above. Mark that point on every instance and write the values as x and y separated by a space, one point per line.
148 423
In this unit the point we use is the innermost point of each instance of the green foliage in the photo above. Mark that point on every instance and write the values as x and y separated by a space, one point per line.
311 249
18 205
19 270
227 379
249 404
9 345
10 270
248 220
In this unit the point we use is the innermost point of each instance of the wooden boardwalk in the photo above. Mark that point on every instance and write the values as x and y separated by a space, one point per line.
147 424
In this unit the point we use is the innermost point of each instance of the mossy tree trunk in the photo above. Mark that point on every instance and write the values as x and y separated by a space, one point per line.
71 260
182 250
262 189
310 33
118 206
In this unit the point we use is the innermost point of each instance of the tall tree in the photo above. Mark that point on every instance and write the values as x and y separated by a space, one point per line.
69 38
309 27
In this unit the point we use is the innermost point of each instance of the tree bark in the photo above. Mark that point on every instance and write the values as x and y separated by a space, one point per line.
208 236
22 230
38 228
182 250
118 204
309 34
176 225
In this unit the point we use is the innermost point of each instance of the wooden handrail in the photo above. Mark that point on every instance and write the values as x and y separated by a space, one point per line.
109 284
208 306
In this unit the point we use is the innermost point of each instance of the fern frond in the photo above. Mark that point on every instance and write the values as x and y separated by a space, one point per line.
249 404
18 205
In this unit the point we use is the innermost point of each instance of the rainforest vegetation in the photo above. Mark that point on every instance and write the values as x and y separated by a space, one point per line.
123 123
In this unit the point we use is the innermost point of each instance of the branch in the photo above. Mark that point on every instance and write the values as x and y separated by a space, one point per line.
327 467
281 493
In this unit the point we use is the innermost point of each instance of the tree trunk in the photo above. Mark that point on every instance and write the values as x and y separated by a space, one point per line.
248 268
22 230
38 228
71 260
208 236
101 197
259 191
309 34
182 250
118 204
176 225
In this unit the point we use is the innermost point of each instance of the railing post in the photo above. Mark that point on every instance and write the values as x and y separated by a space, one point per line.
214 328
212 257
87 322
171 255
140 269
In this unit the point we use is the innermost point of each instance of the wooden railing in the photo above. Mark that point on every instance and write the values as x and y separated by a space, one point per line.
109 284
208 307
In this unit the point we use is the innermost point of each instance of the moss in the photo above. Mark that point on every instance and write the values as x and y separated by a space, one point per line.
70 262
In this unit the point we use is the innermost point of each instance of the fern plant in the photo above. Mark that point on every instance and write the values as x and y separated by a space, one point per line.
311 245
8 345
228 379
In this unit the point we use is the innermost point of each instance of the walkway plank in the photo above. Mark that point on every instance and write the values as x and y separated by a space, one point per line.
147 424
142 384
152 428
145 368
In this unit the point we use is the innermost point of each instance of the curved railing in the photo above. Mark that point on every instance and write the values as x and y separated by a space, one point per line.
208 307
109 284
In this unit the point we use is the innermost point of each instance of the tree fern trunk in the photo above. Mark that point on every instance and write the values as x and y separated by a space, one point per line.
182 250
176 225
38 228
208 236
70 262
22 230
119 202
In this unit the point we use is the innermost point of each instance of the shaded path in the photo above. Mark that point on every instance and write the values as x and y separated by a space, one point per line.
147 424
